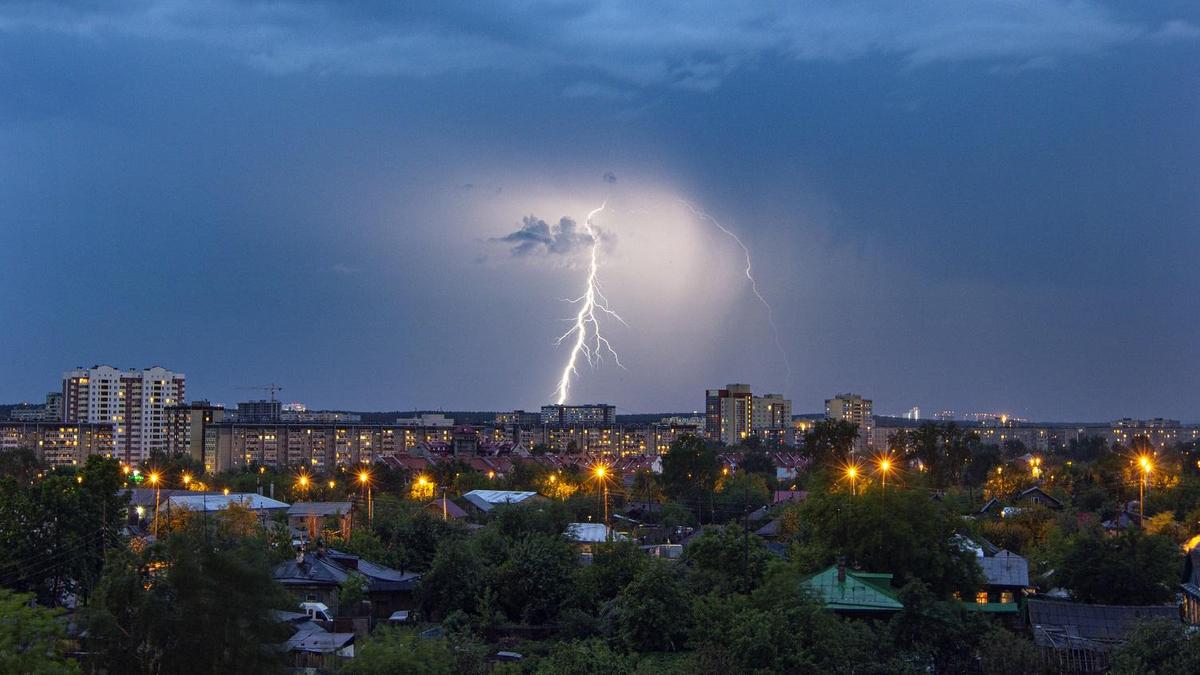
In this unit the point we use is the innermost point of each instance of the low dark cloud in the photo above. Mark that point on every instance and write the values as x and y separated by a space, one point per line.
610 177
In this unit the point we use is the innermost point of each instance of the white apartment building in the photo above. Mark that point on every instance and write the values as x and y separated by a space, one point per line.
133 401
856 409
771 411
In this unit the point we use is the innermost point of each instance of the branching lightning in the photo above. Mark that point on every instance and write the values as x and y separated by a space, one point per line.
753 284
586 326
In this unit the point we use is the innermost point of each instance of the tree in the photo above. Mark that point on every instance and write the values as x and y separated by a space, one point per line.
781 629
756 461
725 560
31 637
651 613
584 657
63 522
1130 569
452 582
740 494
902 532
392 651
1004 653
1158 647
938 631
830 441
535 581
171 609
613 566
691 469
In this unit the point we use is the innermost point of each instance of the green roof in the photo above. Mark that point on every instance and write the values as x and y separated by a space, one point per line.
992 607
860 592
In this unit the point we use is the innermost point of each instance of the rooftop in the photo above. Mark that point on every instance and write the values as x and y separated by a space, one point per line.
859 592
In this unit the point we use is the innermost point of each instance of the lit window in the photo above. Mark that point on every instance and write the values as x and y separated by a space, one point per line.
1006 596
981 597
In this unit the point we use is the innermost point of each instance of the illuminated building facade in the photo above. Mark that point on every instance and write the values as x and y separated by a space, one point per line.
856 410
591 414
729 413
58 443
134 401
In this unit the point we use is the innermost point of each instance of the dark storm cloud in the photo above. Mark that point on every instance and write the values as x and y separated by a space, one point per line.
692 46
538 236
956 203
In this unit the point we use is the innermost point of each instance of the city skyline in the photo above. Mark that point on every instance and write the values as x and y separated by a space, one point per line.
984 209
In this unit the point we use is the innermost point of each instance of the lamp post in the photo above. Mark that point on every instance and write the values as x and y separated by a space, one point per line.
364 477
852 474
154 480
885 465
601 472
1146 466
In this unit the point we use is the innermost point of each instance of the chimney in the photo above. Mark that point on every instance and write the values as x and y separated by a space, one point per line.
841 564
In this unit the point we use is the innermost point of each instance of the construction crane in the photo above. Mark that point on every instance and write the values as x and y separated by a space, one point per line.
272 388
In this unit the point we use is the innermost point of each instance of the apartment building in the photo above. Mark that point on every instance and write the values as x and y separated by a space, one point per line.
134 401
857 410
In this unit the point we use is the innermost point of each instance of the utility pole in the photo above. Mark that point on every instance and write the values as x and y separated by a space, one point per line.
746 539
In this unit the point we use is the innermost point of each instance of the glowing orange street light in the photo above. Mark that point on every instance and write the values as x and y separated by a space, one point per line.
154 481
187 479
852 476
302 482
885 465
601 471
364 478
1146 465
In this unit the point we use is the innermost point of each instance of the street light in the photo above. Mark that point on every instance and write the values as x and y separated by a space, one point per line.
852 475
302 482
1146 465
601 471
364 478
187 480
885 465
155 482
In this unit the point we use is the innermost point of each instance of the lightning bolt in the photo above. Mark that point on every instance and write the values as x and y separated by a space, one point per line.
586 327
753 284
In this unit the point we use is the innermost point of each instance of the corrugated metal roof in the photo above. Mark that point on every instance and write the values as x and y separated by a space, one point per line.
487 500
861 591
1005 569
590 533
319 509
1094 622
250 500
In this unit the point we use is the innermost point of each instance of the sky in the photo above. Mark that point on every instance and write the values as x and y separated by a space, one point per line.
985 205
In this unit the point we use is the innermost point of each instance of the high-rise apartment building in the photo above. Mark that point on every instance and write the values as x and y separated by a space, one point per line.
135 401
255 412
187 425
591 414
856 409
771 411
729 413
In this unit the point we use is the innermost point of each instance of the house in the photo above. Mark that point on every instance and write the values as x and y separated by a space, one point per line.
317 577
588 535
485 501
854 592
788 496
264 507
770 530
312 517
313 645
1079 638
445 509
1036 496
1191 582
